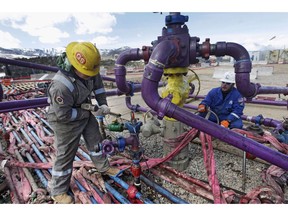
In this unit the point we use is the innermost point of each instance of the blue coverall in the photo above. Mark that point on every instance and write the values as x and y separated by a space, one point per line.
230 109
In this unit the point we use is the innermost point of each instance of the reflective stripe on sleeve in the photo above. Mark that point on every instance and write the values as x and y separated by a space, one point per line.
235 115
74 114
65 81
99 91
61 173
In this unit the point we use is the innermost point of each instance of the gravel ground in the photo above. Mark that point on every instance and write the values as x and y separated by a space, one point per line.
228 169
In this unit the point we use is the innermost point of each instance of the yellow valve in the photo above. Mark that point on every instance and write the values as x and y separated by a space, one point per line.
178 87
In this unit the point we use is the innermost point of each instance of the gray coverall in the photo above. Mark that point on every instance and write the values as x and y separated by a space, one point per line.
69 122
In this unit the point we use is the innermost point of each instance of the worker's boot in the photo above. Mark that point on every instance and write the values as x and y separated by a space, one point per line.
63 199
112 171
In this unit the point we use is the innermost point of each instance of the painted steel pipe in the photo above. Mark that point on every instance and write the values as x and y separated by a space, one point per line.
163 191
126 186
265 121
43 120
120 70
243 67
116 194
253 101
30 159
22 104
38 171
28 64
81 188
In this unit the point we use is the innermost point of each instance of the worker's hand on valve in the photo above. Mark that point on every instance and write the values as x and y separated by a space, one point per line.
225 123
104 109
202 108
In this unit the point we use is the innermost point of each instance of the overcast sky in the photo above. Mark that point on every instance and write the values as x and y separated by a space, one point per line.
53 27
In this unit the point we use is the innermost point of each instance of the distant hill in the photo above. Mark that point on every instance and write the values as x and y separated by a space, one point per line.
47 57
33 53
113 52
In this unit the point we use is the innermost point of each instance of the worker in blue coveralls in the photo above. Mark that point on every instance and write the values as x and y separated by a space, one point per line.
226 102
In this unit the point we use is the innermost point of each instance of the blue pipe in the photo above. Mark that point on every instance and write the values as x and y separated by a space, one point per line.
126 186
163 191
43 120
30 159
84 190
116 194
35 136
38 172
84 154
118 180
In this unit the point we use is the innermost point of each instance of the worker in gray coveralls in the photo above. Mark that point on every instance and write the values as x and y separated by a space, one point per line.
70 114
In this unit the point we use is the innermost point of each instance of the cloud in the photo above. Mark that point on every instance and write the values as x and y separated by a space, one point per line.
104 42
42 26
51 28
8 41
89 23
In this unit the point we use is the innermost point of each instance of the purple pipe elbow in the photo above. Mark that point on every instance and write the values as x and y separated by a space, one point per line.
137 108
120 70
243 67
153 73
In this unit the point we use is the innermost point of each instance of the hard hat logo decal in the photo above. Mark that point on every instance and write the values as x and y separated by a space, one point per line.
80 58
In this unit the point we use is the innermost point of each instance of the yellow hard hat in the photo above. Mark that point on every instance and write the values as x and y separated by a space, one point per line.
85 57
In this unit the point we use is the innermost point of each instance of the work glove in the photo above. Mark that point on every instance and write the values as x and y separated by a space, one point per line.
104 109
89 106
202 108
225 123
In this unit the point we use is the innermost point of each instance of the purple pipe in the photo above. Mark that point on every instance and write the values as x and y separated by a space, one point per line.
267 102
28 64
137 107
108 78
265 121
120 70
164 107
136 88
253 101
243 67
22 104
10 106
